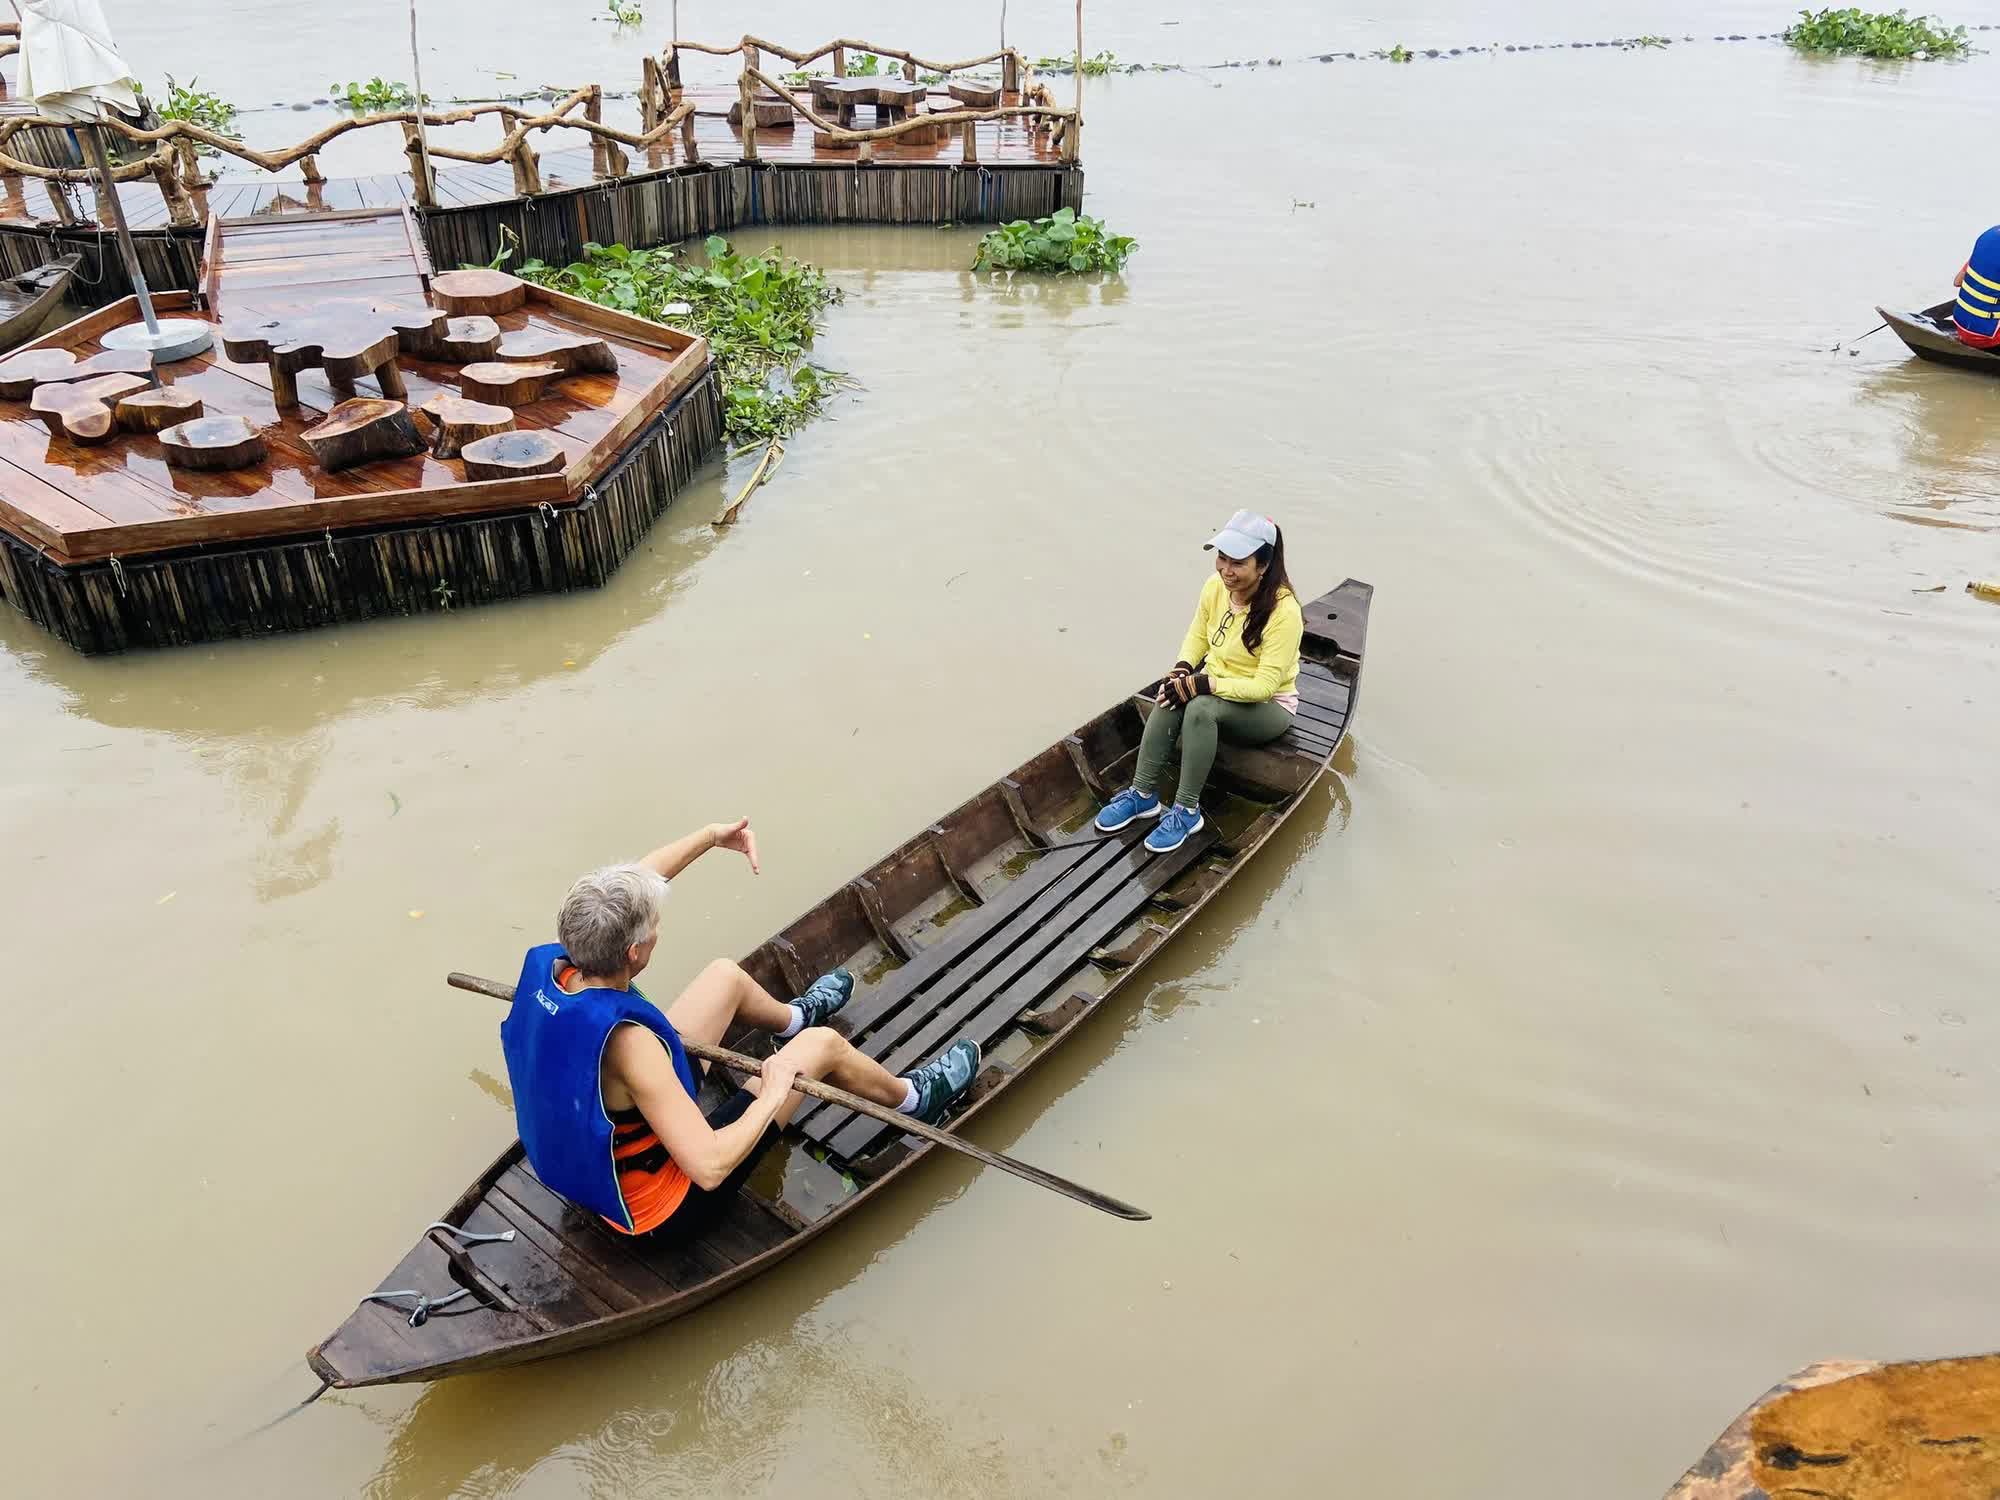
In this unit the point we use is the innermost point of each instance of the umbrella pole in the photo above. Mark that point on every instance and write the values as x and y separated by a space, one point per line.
131 251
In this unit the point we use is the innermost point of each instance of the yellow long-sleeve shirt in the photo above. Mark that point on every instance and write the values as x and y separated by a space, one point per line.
1234 671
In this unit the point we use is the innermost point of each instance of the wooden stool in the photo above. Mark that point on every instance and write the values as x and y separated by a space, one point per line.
485 292
362 431
213 443
452 421
514 455
507 384
80 410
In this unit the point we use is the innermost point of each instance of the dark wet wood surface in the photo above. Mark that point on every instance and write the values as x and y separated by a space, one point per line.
120 497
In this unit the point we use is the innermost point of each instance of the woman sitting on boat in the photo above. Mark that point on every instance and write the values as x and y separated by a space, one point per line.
1237 680
604 1092
1976 315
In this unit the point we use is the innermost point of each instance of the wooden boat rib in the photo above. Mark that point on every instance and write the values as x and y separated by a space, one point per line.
967 929
1929 335
27 300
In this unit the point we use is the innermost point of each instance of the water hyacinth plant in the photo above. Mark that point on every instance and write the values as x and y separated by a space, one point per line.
374 96
758 312
1880 34
1065 243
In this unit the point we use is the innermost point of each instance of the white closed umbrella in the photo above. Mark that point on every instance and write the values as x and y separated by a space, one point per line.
71 68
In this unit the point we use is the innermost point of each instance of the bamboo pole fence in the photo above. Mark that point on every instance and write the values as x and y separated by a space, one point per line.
664 107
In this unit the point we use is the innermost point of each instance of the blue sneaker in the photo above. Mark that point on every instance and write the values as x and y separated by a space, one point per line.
944 1078
824 996
1125 807
1175 826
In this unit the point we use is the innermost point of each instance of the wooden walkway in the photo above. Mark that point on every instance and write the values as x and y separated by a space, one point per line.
30 201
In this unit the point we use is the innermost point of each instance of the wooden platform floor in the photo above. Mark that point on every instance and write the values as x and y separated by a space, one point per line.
121 499
242 191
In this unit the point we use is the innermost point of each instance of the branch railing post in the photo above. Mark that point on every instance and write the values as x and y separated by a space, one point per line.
1010 72
421 173
649 88
594 112
746 91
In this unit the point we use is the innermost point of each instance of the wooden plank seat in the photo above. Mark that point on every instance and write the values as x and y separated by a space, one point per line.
980 987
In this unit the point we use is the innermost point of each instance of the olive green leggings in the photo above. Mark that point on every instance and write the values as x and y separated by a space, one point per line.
1196 728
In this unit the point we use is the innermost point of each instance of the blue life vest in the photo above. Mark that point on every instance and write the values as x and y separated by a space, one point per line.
554 1042
1978 307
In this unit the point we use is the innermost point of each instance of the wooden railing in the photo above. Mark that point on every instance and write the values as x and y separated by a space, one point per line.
664 109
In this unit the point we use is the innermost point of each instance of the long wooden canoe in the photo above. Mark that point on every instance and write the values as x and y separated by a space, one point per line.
1859 1430
1929 336
1007 921
26 300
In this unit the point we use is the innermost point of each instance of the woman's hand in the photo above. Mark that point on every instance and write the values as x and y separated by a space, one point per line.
736 836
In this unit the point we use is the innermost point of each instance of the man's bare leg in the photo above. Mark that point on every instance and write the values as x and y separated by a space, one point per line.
721 993
831 1058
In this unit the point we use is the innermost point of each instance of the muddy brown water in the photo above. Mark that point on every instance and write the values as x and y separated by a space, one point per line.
1614 1035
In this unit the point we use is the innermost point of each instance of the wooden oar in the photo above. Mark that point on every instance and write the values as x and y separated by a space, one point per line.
908 1124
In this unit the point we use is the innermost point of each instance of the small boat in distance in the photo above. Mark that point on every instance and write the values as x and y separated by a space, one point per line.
1009 921
1929 336
27 300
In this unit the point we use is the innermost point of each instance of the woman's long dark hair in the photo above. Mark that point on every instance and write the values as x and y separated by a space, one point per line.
1273 583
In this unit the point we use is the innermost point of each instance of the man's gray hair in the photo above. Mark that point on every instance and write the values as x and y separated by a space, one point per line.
608 912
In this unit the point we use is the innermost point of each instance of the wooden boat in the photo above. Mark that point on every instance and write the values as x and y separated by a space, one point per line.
27 300
1008 920
1929 336
1861 1430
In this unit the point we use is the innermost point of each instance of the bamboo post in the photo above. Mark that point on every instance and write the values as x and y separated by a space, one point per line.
1079 60
426 179
649 84
426 182
746 91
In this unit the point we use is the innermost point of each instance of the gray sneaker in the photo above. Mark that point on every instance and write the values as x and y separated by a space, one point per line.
941 1080
825 996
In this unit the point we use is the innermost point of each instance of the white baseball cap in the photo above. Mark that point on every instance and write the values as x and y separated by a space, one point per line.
1245 533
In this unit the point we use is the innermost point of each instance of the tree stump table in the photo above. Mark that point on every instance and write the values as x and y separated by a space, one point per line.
450 422
348 344
213 443
514 455
974 95
363 430
481 292
81 410
21 375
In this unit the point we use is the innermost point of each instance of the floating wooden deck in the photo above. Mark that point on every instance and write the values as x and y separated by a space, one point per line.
109 547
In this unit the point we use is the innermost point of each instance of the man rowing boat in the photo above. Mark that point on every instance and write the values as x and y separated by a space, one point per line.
604 1092
1976 314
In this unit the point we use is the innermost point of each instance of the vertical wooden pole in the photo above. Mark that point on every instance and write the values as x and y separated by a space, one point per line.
649 85
909 71
968 138
1010 73
1073 143
746 92
425 197
673 77
420 166
688 147
839 62
593 111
